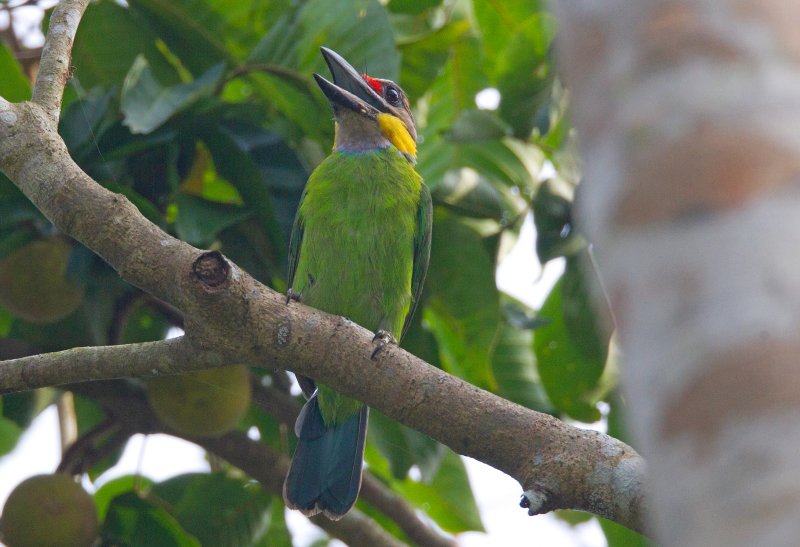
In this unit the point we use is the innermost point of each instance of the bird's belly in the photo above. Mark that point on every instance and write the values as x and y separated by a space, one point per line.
360 269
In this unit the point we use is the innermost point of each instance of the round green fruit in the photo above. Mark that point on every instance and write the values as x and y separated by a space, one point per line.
33 285
49 510
204 403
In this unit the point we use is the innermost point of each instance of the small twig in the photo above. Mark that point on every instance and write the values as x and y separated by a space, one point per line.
55 64
276 70
67 421
92 447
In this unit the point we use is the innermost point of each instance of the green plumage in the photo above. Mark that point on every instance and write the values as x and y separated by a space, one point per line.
360 228
359 248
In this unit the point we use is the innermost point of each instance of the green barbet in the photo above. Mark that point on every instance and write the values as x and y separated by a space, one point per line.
359 248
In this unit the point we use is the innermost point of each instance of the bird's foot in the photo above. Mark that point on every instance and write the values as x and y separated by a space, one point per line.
383 339
291 295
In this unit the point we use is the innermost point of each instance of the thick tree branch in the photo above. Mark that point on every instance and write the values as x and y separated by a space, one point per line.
236 319
54 69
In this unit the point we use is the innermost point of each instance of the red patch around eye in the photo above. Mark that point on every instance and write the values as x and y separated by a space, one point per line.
374 84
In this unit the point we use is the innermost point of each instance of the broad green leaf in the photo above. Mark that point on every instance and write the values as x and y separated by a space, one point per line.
448 499
235 158
358 30
404 447
412 6
109 38
144 325
514 368
15 210
463 308
470 194
131 520
516 37
525 80
84 122
552 215
115 487
619 536
278 534
6 319
9 435
14 86
199 220
195 30
146 103
425 56
473 125
216 509
498 22
569 363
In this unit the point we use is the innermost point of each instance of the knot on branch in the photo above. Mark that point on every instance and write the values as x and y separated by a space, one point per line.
212 270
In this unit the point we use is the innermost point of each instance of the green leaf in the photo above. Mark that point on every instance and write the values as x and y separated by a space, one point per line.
146 103
14 86
425 56
358 30
84 122
246 158
552 215
9 435
619 536
115 487
517 35
131 520
463 308
109 38
473 125
448 499
514 368
199 220
470 194
217 509
412 7
195 30
404 447
570 359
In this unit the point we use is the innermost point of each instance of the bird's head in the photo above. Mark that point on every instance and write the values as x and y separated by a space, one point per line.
370 113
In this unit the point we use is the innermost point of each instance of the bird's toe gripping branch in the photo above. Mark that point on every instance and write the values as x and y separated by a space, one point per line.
383 339
291 295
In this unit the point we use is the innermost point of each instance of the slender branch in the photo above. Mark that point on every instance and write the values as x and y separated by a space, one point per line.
276 70
54 68
105 363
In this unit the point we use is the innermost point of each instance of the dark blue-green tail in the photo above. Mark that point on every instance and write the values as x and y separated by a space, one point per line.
325 473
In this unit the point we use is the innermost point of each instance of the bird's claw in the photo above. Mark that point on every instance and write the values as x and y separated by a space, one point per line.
383 338
291 295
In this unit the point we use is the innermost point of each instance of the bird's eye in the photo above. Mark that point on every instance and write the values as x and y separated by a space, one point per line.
393 95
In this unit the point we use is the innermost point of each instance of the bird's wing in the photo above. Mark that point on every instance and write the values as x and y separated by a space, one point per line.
295 242
422 252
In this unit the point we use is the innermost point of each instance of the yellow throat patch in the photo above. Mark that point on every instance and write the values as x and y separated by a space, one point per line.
395 131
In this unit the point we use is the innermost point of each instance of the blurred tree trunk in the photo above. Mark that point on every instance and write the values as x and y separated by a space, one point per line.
688 116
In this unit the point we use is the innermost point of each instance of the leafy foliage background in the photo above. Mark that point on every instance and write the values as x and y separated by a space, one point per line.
204 114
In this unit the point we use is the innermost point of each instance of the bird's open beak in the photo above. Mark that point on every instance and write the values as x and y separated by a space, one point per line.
349 89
